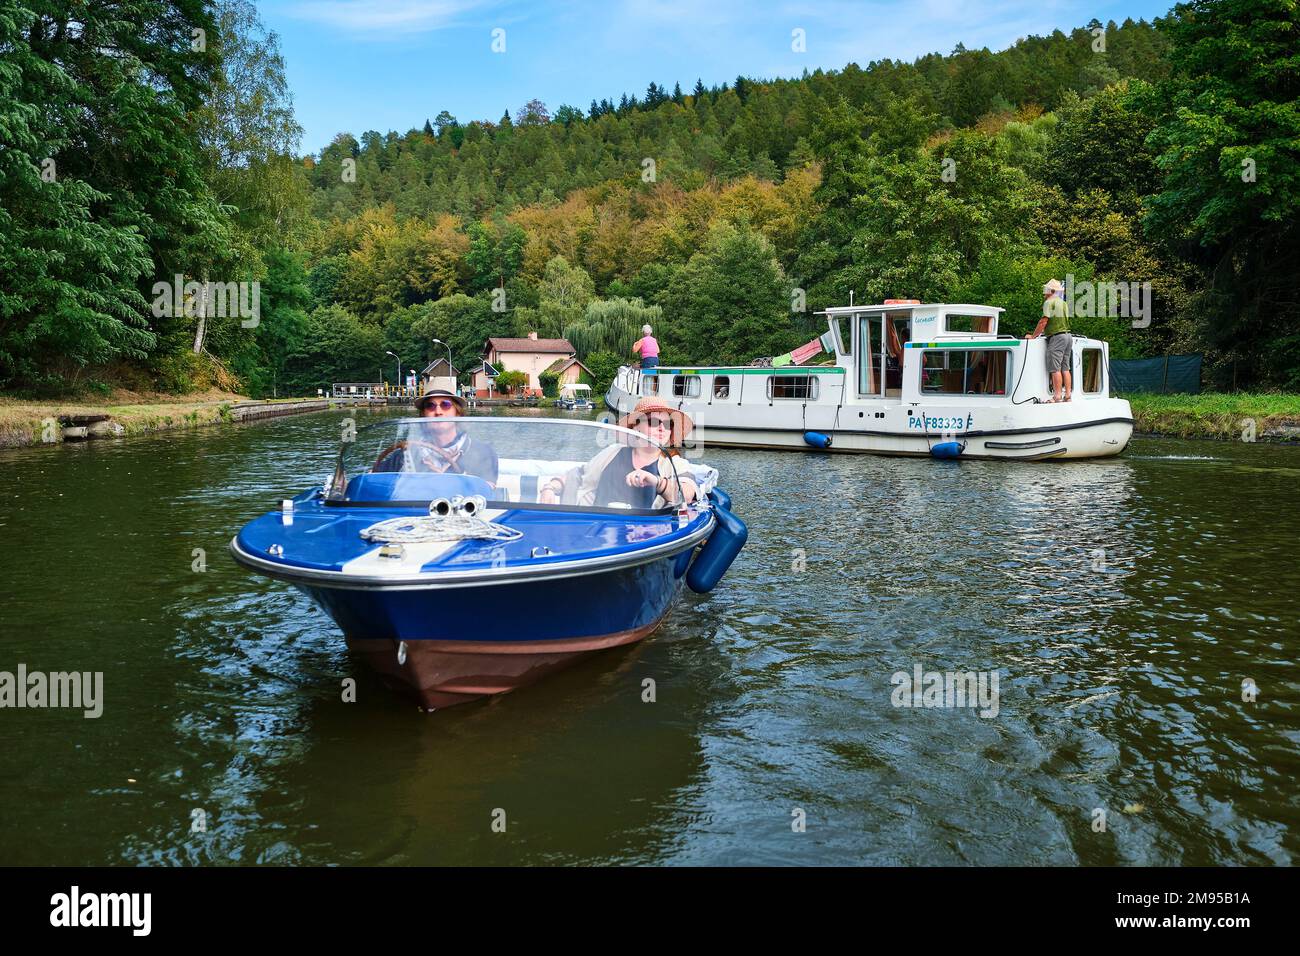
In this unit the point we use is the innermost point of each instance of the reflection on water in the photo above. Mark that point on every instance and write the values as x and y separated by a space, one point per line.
1122 604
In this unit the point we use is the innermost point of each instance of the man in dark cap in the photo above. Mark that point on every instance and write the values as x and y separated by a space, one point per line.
444 446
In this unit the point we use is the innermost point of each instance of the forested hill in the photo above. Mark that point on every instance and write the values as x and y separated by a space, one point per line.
755 127
1160 153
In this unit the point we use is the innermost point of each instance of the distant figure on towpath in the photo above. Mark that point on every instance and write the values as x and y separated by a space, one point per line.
647 347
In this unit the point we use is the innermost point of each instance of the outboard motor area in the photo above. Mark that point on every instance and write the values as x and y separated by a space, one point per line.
728 537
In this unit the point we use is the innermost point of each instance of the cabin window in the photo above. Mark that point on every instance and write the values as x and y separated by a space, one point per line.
868 359
843 341
1092 371
649 384
722 386
792 386
967 323
965 371
686 386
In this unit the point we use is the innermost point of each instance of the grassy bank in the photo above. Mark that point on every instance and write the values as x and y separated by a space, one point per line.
24 422
1214 415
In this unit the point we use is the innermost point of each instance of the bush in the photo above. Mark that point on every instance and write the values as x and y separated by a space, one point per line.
604 366
509 381
550 382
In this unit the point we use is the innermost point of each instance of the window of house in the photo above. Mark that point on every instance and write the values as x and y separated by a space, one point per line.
1092 370
686 386
792 386
722 386
967 323
965 371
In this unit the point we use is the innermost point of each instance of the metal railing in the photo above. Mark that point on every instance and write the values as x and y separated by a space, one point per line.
371 390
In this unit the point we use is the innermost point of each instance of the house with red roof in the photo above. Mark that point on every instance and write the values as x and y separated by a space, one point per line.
529 355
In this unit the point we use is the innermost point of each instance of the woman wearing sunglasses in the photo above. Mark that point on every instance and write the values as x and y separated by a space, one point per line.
637 474
446 448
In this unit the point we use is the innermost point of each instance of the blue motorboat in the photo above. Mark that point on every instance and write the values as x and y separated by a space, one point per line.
466 557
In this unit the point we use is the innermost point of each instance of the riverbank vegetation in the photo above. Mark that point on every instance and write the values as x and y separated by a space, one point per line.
723 215
1259 417
37 422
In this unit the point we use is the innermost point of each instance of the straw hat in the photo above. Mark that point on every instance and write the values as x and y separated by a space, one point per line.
682 423
433 393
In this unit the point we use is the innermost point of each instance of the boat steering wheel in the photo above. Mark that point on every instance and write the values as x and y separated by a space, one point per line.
407 443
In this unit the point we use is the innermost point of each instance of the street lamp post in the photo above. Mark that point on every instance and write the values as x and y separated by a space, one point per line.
449 366
398 382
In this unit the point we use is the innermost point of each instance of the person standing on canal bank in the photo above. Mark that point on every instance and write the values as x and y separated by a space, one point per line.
1055 324
647 347
451 449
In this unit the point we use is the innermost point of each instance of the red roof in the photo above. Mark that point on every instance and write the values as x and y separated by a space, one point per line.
559 365
531 345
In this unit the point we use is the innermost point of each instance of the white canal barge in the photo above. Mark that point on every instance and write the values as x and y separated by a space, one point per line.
907 379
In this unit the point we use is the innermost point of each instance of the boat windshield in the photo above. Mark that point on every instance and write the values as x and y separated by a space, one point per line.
519 460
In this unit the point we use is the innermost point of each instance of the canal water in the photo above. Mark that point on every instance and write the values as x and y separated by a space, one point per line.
1121 604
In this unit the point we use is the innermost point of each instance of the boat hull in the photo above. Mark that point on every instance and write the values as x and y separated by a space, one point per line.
430 643
1087 428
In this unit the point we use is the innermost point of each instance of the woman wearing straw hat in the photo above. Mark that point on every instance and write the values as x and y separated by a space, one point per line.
637 474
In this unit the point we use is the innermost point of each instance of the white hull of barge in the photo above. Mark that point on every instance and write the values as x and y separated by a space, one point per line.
1087 428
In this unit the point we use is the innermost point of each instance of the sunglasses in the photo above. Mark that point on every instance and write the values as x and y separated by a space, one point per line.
658 422
442 405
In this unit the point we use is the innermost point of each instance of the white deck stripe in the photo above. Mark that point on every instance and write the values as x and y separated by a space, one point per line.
416 556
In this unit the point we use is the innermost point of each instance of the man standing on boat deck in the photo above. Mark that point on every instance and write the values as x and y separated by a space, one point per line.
448 448
647 347
1055 324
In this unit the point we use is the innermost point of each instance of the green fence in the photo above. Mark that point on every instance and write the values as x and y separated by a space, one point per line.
1167 375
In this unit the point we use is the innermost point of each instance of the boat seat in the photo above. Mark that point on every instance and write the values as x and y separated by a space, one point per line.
523 480
414 486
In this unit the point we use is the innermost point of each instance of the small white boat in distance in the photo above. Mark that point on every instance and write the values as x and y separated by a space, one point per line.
575 396
907 379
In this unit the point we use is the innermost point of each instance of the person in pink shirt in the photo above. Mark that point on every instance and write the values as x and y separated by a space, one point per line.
648 348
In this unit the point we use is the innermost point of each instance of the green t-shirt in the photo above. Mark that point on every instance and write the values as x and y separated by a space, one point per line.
1057 314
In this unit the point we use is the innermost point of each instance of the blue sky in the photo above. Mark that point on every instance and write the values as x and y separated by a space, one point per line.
356 65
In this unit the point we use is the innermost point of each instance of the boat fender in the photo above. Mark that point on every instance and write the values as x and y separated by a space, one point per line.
728 537
721 498
817 439
948 449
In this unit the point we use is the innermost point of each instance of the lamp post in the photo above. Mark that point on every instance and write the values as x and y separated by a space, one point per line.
398 381
449 366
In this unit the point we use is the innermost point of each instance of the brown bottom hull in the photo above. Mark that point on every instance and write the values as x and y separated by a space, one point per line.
446 673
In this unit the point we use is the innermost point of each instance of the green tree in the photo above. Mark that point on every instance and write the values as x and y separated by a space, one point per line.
731 301
101 184
335 347
1228 125
282 324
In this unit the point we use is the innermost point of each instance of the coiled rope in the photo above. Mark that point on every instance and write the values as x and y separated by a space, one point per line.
435 527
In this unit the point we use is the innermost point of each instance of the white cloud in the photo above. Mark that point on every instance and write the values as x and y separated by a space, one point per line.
368 15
